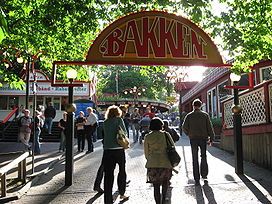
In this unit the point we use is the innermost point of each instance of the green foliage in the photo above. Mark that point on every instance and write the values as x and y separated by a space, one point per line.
246 31
63 30
217 122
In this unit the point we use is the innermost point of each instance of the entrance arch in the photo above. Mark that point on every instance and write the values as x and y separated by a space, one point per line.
150 38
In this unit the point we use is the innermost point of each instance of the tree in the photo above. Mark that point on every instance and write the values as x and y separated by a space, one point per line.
245 27
130 76
63 30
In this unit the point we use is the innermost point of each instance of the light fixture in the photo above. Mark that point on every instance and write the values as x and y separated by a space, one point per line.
235 77
71 74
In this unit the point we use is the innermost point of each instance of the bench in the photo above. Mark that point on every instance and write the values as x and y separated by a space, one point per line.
20 162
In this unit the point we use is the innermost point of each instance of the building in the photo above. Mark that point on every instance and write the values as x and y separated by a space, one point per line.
256 115
45 93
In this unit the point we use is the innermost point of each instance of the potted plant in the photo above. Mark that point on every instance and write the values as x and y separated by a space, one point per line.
217 125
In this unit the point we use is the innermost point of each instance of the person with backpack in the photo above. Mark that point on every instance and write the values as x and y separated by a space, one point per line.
25 123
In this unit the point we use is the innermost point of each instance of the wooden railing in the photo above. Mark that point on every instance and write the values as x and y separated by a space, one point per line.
20 163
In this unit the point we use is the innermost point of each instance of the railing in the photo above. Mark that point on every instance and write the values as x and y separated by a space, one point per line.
20 162
256 105
6 119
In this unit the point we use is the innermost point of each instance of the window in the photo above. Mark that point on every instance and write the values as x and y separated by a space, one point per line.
212 102
56 102
265 74
13 102
223 93
3 102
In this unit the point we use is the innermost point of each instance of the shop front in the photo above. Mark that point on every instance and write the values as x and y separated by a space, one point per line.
11 98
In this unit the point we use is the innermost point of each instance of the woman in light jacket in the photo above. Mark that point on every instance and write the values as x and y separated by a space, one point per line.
113 154
159 169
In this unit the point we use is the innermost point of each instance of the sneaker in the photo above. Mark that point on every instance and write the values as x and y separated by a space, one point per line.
124 197
99 190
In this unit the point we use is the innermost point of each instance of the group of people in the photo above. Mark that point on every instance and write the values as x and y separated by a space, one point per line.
28 125
196 125
85 129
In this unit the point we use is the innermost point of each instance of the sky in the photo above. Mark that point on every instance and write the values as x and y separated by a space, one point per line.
195 73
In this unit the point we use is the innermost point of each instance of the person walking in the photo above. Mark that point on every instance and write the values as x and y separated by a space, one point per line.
113 154
49 114
197 125
90 127
80 121
24 124
175 136
63 126
126 117
159 168
38 125
135 126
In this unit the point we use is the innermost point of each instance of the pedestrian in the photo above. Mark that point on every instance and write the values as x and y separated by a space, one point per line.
149 113
113 154
80 120
197 125
49 114
38 125
144 127
90 127
63 126
159 168
126 117
25 123
135 126
175 136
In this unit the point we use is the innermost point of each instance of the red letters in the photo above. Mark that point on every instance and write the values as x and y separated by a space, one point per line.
156 37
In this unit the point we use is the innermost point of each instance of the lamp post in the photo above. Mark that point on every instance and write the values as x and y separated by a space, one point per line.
69 153
135 91
237 126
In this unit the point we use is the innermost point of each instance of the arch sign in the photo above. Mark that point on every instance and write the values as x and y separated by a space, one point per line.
154 38
150 38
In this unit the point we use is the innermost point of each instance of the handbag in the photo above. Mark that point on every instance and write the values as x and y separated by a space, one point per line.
172 154
122 138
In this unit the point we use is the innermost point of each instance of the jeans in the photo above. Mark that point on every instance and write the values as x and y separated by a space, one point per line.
80 140
89 131
202 144
62 141
37 148
48 124
135 130
110 159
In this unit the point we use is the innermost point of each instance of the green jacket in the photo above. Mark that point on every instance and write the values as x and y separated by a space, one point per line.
110 128
197 125
155 150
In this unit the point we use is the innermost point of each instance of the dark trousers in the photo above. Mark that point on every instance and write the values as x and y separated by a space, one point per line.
110 159
89 131
80 140
99 177
202 144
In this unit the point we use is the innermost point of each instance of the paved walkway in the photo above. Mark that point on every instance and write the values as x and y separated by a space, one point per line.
224 185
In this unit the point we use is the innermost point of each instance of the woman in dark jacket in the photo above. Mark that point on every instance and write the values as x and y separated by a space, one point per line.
113 154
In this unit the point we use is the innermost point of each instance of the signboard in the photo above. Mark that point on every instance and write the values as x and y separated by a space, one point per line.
45 88
154 38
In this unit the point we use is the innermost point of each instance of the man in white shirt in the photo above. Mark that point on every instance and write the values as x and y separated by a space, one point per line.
90 127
